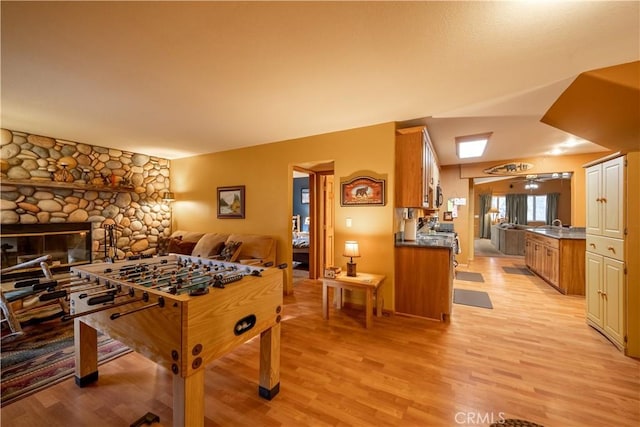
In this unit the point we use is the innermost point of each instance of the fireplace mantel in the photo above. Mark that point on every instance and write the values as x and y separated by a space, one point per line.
69 185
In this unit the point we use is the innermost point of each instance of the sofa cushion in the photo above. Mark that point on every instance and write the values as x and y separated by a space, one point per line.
211 244
255 246
230 251
187 236
179 246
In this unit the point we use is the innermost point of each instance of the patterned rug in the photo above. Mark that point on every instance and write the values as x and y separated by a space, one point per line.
44 356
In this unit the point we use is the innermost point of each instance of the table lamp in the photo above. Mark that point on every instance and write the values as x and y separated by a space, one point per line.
494 213
351 250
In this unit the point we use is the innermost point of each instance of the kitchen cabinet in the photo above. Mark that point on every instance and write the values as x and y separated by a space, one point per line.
557 260
416 169
604 193
612 260
424 281
605 299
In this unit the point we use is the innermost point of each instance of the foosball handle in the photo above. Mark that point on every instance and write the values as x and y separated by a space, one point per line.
148 418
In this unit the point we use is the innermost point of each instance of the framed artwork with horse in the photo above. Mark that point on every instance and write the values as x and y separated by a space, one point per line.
362 191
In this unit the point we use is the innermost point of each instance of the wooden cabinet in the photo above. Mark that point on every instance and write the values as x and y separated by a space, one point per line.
416 169
605 296
612 259
424 281
604 193
558 261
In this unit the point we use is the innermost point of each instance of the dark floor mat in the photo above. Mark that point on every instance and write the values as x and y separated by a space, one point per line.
518 270
469 276
472 298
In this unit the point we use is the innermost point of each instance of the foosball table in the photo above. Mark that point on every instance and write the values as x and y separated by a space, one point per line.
181 312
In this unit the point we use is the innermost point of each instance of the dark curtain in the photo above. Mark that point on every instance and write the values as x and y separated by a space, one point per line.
552 206
485 221
516 208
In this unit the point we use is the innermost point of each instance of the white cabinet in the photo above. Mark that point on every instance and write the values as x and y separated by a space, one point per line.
605 209
613 250
605 296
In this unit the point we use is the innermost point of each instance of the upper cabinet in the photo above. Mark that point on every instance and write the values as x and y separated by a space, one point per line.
605 207
417 171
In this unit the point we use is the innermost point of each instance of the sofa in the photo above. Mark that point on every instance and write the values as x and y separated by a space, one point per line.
251 249
509 238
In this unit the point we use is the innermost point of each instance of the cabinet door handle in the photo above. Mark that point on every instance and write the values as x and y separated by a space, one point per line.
599 292
598 199
593 245
611 248
603 200
604 294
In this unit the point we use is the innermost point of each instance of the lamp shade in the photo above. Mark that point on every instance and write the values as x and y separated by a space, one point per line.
493 210
351 249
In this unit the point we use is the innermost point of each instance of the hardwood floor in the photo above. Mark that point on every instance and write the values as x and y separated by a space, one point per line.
532 357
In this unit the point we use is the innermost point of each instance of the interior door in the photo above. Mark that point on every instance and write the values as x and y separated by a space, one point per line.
328 222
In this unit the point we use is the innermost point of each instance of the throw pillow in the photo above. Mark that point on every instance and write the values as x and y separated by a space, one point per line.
179 246
231 251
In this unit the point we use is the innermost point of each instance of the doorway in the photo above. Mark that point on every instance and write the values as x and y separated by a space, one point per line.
312 219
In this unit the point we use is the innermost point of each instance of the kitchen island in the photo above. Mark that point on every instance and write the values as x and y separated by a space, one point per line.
424 276
557 254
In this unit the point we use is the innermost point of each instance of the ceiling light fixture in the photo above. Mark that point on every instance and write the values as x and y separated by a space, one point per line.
472 145
531 186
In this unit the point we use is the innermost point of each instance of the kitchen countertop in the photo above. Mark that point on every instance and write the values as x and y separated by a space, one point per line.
437 240
560 233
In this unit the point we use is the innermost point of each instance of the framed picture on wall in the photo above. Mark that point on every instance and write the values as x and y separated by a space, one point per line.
362 191
231 202
305 195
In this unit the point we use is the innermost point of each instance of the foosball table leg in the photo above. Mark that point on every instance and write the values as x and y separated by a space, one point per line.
270 362
86 345
188 400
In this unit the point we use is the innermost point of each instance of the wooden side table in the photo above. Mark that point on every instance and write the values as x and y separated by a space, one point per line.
370 283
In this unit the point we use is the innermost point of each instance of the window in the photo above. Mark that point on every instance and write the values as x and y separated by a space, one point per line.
537 208
500 203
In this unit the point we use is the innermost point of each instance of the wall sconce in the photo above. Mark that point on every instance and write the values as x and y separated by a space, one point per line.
349 222
168 196
352 251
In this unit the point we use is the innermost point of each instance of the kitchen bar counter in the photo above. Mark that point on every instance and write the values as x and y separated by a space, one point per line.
560 233
437 240
557 256
424 276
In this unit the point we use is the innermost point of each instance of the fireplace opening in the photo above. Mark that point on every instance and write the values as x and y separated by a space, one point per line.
66 244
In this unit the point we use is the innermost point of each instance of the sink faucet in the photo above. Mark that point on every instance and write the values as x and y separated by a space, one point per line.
556 222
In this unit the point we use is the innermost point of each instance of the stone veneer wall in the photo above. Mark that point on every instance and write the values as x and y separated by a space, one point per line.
136 208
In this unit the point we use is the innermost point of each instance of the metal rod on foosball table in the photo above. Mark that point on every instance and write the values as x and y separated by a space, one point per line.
160 303
145 297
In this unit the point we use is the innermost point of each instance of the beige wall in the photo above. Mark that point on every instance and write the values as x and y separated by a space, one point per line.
457 181
266 172
516 186
549 165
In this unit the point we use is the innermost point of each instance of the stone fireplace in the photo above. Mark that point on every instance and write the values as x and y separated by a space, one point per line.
118 193
67 244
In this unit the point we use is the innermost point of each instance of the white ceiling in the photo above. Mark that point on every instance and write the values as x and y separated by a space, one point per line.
176 79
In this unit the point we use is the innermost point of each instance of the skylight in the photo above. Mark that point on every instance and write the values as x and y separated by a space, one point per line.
472 145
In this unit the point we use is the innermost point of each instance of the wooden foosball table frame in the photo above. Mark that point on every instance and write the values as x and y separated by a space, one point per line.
182 332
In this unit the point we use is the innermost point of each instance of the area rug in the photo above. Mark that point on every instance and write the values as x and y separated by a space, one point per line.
469 276
518 270
472 298
45 356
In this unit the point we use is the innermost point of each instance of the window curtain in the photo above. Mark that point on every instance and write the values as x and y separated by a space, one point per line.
485 221
552 207
516 208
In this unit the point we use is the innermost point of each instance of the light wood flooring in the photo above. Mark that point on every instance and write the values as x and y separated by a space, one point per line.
532 357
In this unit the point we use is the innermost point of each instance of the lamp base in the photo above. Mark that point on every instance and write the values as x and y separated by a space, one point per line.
351 269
